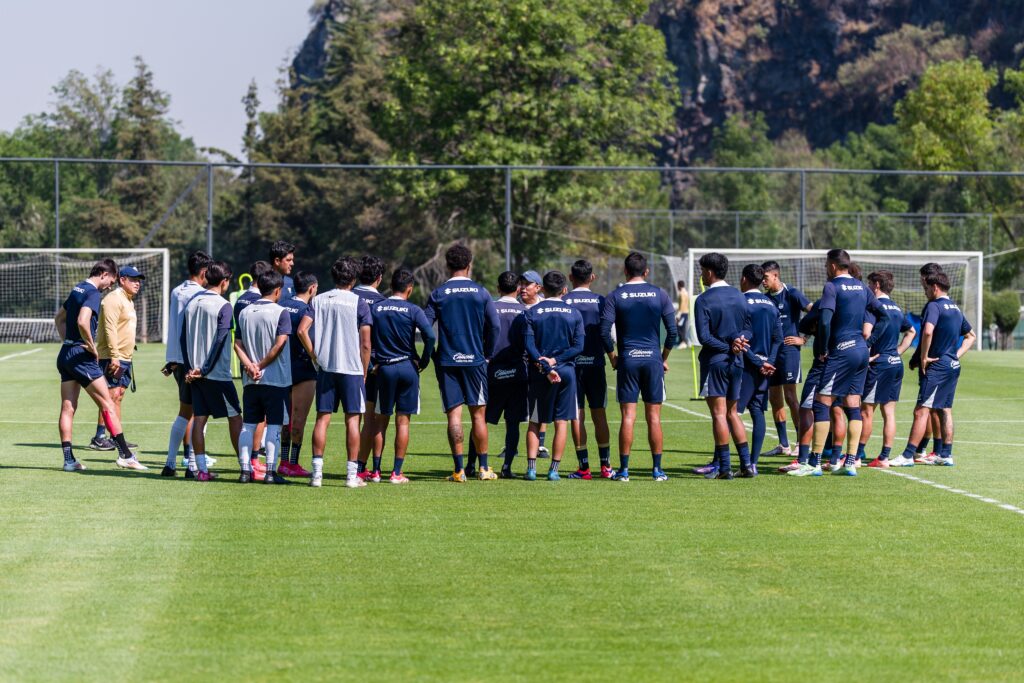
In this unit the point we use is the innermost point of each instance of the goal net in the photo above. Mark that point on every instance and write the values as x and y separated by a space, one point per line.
805 269
35 282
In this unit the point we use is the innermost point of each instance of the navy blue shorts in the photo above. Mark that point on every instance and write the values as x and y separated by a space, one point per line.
126 376
591 386
811 383
75 364
462 385
214 398
753 390
884 380
787 367
550 402
938 386
845 372
334 389
261 402
506 395
184 388
398 389
722 379
640 378
371 387
303 371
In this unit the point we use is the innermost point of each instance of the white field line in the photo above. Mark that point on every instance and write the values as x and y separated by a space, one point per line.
21 353
959 492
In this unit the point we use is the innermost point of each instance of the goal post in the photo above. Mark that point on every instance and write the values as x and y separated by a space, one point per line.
35 282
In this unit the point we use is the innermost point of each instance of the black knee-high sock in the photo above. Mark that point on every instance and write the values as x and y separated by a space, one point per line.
471 455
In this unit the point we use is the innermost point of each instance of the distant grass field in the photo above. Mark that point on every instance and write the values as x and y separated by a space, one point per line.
114 575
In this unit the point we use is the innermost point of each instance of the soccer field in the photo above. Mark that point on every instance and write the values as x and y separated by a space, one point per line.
118 575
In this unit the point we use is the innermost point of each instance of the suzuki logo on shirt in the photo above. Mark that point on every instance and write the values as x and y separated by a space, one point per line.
460 290
550 309
951 307
638 295
463 357
851 288
398 309
640 353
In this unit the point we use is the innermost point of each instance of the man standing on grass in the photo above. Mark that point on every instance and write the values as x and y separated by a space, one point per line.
206 353
467 327
262 347
116 346
722 320
637 310
78 362
282 260
591 381
342 348
181 428
791 303
758 367
531 288
370 438
303 373
945 337
506 371
395 321
933 429
553 338
885 367
257 270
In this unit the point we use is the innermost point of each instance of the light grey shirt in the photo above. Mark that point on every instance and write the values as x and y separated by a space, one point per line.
204 317
259 326
180 297
339 313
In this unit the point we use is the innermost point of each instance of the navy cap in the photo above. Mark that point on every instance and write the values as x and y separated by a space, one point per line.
532 276
131 271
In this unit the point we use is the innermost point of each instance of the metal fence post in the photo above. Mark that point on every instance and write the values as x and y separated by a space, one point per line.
858 230
508 218
737 229
56 227
671 233
803 209
209 209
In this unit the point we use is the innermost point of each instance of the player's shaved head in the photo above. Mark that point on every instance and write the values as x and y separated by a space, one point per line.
554 283
458 257
508 283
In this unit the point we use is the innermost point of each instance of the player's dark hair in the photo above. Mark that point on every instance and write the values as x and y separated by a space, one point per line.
939 279
458 257
636 264
217 272
197 261
855 270
303 281
840 257
372 269
771 267
554 282
401 279
345 271
882 279
680 284
280 249
753 273
508 282
716 263
268 282
104 267
259 268
581 271
930 269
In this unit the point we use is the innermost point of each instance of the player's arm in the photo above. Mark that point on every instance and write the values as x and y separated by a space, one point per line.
741 342
576 342
365 335
773 350
284 330
302 333
909 334
927 333
61 321
607 321
492 326
968 339
826 308
668 319
427 334
702 323
243 358
84 323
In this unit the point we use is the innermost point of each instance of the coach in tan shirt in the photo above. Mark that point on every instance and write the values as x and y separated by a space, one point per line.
115 344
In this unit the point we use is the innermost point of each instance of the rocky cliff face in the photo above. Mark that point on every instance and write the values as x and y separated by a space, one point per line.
822 67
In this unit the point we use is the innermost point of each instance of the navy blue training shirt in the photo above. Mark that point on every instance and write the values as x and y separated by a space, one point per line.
554 330
509 352
287 287
791 303
590 306
369 294
950 326
298 309
467 322
885 341
395 322
244 299
848 298
83 295
637 310
766 326
720 317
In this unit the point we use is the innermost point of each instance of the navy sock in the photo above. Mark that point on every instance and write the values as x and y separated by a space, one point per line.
923 446
554 465
837 454
584 457
360 466
624 461
744 452
296 450
947 450
804 453
122 447
884 455
69 456
483 461
509 457
398 464
376 463
656 457
759 431
938 446
101 431
543 436
814 460
724 458
860 451
605 454
188 451
911 450
511 440
471 457
458 463
780 427
828 443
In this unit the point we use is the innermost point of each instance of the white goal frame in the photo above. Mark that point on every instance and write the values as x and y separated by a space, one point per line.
859 254
165 284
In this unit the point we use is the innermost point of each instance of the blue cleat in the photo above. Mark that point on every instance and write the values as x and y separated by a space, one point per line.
621 475
659 475
531 475
553 476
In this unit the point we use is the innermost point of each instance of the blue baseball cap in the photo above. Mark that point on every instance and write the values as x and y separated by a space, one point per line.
131 271
532 276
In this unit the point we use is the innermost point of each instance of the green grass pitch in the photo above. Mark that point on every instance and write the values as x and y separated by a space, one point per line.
114 575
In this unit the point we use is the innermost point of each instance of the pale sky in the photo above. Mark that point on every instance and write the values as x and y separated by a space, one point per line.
202 52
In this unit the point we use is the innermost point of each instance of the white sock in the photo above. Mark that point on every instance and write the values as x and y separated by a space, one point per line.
273 436
200 462
178 428
318 466
353 468
245 446
192 467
